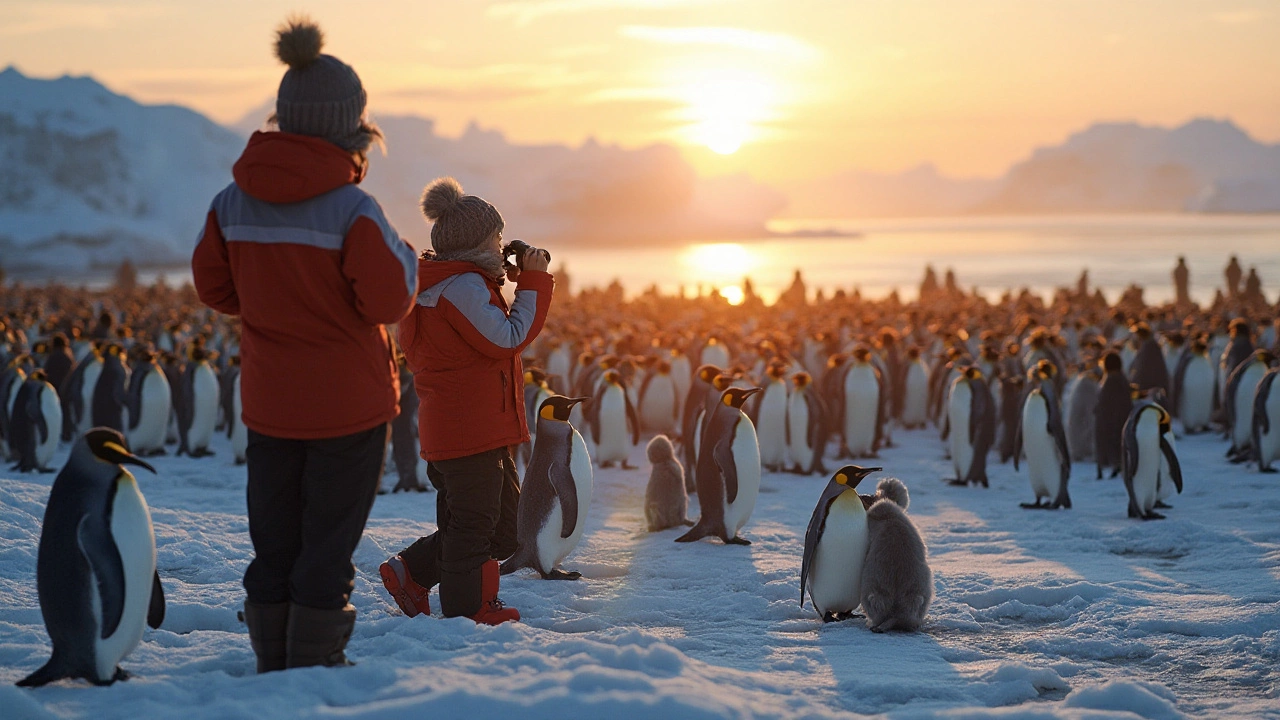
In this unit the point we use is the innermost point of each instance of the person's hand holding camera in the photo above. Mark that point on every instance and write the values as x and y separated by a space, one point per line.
535 259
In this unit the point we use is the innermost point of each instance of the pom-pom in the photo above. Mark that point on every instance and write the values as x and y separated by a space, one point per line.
895 490
659 449
298 42
441 196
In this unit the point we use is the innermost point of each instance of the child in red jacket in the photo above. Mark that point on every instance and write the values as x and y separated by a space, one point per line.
463 345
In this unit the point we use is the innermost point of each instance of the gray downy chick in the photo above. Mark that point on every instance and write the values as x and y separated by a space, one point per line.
897 585
665 501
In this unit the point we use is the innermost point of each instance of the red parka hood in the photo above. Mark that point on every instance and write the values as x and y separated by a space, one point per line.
434 272
279 167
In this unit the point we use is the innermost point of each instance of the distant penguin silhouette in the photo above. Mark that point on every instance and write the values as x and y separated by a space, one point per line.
34 422
666 504
971 420
1080 415
897 585
1043 434
1191 388
110 393
1115 402
806 426
149 400
96 568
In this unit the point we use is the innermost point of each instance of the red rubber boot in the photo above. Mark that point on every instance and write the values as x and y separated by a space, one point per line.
492 610
409 595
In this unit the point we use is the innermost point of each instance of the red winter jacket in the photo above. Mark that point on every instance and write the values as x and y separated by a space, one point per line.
312 267
463 345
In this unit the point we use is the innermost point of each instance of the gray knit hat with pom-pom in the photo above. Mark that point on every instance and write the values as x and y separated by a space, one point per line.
462 223
319 94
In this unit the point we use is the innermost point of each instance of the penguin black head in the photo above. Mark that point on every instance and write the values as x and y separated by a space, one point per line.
722 381
557 407
612 377
776 370
109 446
734 397
707 373
1111 362
1046 370
801 380
851 475
861 353
534 376
973 373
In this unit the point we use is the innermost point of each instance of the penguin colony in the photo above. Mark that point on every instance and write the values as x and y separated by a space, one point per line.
728 391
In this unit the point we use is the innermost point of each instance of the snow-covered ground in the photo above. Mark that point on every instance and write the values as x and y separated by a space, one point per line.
1072 614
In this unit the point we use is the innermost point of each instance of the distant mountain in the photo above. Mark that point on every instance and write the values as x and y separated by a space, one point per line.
89 177
1202 166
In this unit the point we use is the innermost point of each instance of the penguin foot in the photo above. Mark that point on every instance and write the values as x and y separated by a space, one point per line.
605 465
1115 473
955 481
558 574
737 541
1267 470
1152 516
202 452
840 616
628 466
1163 505
240 461
1033 506
828 617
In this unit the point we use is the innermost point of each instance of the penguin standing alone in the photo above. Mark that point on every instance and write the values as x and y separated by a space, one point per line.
555 494
96 567
1145 445
728 471
1045 439
835 547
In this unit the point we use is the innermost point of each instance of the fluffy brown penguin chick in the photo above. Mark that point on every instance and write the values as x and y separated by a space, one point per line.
665 501
888 489
897 585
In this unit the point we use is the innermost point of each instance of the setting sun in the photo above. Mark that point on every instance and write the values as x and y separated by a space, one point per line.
726 107
718 261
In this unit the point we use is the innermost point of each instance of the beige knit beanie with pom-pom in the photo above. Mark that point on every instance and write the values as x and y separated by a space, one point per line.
319 94
461 224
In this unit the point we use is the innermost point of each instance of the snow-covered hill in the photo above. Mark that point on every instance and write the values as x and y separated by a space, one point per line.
89 177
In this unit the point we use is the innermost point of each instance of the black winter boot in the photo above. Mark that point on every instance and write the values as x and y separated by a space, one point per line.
268 628
319 637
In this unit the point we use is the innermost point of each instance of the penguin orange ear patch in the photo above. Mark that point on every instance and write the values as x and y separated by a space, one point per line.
727 400
548 412
842 478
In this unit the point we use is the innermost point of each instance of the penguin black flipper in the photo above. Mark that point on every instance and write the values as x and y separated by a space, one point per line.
1129 463
1175 469
186 406
134 400
155 611
567 492
723 457
99 549
35 414
1261 422
632 418
1017 444
1179 376
1059 433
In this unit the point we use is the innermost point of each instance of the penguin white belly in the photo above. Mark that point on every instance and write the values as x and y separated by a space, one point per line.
772 430
1269 442
916 396
1195 398
715 355
578 419
204 408
835 583
958 418
553 549
614 443
1146 477
239 433
91 374
134 538
153 413
862 401
658 412
1242 431
1042 451
798 427
51 409
746 458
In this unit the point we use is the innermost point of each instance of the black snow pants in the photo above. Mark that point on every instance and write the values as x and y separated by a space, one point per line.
308 504
476 503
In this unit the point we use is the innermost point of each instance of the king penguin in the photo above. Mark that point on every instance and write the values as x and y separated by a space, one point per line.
77 394
1266 422
1192 387
915 393
1145 443
728 470
771 418
110 392
806 426
1241 387
835 546
555 494
864 404
34 424
240 434
148 406
1044 437
614 424
96 568
971 420
702 390
659 400
198 410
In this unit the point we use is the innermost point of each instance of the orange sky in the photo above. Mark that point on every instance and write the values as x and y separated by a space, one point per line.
789 88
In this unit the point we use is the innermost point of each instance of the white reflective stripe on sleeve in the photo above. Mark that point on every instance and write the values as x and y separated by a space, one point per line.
470 296
371 209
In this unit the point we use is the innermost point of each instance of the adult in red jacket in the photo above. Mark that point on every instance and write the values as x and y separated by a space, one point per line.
312 267
463 345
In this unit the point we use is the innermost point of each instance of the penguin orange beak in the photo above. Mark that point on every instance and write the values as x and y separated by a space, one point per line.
125 457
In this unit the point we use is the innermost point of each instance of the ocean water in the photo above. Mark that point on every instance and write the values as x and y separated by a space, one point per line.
991 254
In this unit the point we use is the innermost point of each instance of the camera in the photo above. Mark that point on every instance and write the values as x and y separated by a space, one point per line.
517 249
